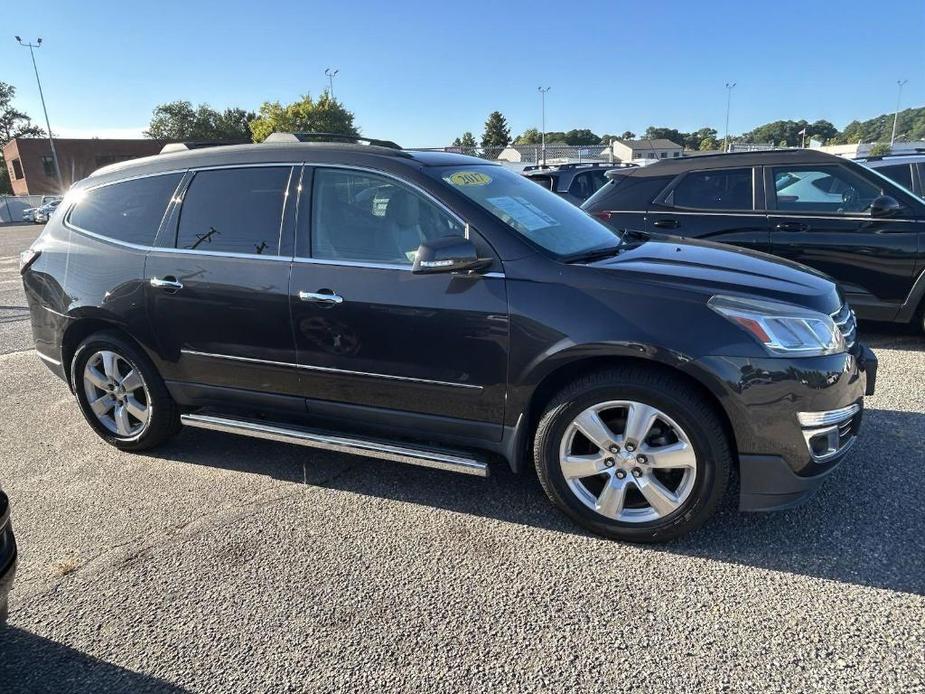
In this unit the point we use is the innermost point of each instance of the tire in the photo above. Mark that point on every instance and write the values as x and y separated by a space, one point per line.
685 455
157 415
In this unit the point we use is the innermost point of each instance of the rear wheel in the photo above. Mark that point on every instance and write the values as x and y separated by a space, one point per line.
633 455
120 393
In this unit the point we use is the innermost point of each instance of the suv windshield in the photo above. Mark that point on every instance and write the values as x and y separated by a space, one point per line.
541 216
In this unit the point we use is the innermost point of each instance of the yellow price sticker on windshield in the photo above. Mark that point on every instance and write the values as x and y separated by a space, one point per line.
468 178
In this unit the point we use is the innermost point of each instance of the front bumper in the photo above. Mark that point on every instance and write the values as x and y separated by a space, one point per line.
781 460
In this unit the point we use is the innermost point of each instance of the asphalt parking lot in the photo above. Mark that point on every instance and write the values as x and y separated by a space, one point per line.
219 563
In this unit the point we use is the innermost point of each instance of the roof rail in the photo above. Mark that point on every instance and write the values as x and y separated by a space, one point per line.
578 165
199 144
331 137
915 151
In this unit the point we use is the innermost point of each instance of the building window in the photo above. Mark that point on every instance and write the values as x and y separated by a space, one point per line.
17 169
651 155
676 154
662 155
48 166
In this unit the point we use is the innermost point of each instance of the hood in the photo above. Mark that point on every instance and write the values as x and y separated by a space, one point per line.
713 268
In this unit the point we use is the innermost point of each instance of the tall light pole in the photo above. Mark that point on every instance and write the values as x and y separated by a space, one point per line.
331 74
729 88
899 96
542 91
51 140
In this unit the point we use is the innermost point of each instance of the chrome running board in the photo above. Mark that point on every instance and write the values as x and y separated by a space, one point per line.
371 448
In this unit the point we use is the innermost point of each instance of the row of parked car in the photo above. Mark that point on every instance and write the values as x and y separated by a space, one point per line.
856 221
42 213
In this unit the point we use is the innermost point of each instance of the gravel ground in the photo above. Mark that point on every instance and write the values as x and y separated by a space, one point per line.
221 564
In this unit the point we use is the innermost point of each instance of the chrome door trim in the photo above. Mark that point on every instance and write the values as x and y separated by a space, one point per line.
328 369
45 357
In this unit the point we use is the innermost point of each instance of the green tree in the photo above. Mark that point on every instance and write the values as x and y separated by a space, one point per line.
178 120
530 136
581 137
466 143
628 135
880 149
653 133
13 124
325 114
694 139
709 144
497 133
822 130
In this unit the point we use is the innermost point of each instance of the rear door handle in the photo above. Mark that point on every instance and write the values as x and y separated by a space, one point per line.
166 283
666 223
325 296
792 226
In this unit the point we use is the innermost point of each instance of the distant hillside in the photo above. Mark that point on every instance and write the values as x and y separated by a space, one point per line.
910 126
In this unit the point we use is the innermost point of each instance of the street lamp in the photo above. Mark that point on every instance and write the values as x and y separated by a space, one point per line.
331 74
51 141
542 91
899 96
729 87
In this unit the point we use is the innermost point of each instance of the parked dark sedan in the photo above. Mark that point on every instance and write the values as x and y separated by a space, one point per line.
826 212
8 555
431 308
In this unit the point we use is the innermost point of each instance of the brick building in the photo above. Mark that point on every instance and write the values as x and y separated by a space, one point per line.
32 169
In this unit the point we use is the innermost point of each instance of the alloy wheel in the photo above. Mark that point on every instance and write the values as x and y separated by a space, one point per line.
628 461
116 393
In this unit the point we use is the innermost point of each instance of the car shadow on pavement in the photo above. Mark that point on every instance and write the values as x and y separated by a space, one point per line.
30 663
892 336
865 526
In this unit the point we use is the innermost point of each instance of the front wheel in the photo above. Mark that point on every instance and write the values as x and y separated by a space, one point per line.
633 454
120 393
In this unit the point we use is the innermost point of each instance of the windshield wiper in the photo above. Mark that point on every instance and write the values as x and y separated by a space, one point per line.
593 254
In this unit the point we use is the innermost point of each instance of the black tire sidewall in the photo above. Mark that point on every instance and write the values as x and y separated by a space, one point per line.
712 465
128 352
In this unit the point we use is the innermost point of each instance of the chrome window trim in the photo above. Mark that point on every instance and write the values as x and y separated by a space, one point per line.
328 369
377 266
772 213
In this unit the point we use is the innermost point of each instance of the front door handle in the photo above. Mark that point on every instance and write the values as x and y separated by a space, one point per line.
792 226
324 296
666 223
166 283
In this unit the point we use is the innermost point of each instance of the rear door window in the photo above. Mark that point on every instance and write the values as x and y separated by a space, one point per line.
237 210
129 211
827 189
724 189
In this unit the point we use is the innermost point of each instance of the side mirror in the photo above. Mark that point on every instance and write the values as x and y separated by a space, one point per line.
885 206
449 254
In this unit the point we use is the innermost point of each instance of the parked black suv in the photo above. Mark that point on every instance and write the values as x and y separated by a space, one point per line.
814 208
574 182
431 308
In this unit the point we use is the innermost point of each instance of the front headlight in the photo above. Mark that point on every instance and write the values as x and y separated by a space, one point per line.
783 329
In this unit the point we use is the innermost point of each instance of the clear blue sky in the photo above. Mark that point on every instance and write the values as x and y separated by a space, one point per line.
422 72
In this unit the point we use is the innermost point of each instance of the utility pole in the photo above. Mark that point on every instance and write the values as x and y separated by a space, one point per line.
899 96
542 91
331 74
51 140
729 87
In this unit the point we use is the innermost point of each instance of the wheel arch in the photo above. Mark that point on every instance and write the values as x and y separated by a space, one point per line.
80 329
565 372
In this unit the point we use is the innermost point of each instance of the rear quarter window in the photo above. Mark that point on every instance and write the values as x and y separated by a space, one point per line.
129 211
627 193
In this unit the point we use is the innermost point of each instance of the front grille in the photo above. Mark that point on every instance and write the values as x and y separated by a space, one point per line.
847 324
